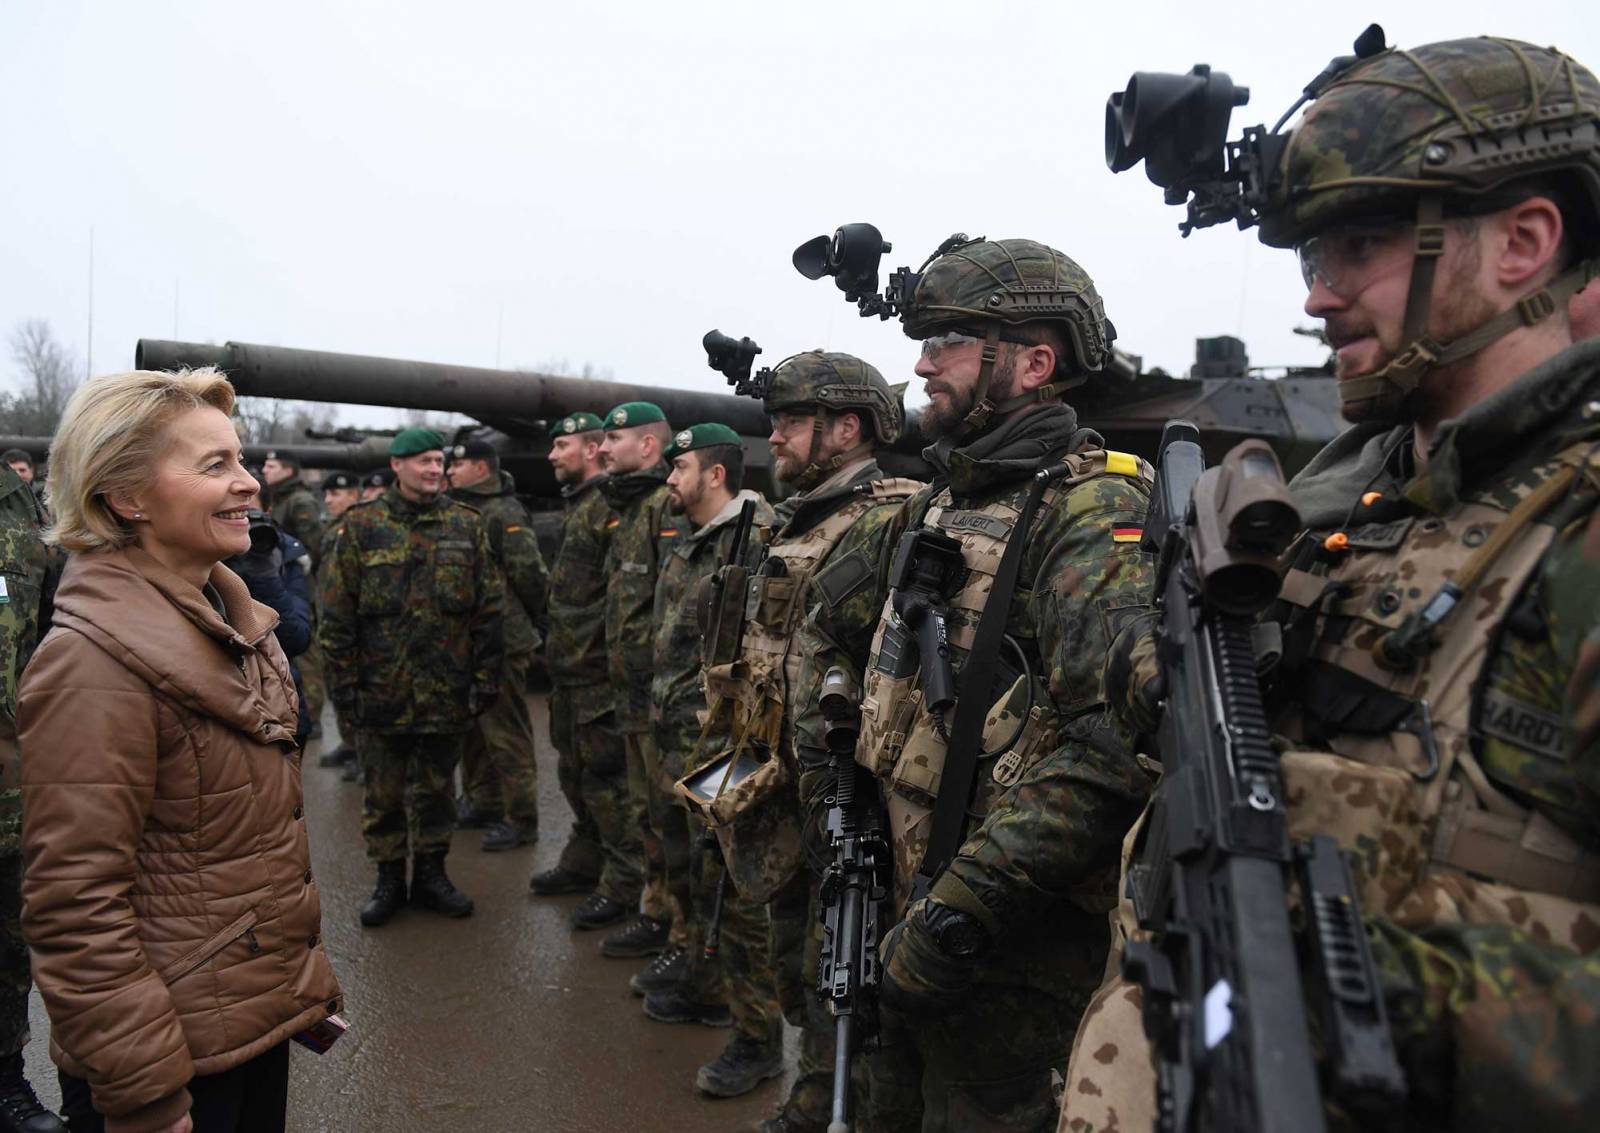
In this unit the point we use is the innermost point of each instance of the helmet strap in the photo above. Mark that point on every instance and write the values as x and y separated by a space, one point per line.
982 408
816 471
1391 385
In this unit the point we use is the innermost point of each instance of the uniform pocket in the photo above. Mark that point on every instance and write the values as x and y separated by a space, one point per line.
452 578
383 582
197 957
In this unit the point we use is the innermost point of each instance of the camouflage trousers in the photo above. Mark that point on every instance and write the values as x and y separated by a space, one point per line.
592 766
408 792
1111 1079
796 915
15 977
740 974
643 765
498 773
987 1067
311 679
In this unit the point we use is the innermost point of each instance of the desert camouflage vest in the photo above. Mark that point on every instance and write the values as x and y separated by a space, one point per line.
1396 778
757 820
900 741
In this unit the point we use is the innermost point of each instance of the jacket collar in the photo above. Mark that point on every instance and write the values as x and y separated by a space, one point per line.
629 486
1011 449
160 626
798 514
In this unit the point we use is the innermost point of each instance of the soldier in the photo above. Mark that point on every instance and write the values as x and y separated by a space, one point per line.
603 852
411 602
498 776
636 435
375 483
829 413
705 502
21 463
995 956
296 509
340 492
25 564
1444 203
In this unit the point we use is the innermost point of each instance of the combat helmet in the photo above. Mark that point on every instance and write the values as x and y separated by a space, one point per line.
1448 129
835 382
987 286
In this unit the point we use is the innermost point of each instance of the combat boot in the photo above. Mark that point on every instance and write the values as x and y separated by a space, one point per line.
597 911
432 889
675 1006
469 816
555 882
20 1110
742 1066
389 897
645 936
665 971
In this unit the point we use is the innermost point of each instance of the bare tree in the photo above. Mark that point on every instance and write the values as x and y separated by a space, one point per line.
48 376
269 421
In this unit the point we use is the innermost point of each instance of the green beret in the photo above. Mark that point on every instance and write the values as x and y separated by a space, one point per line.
700 436
631 413
409 442
576 423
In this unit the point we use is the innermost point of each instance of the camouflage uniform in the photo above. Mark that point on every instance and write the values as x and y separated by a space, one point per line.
1480 874
742 975
24 564
298 510
497 765
411 628
639 501
974 1043
592 764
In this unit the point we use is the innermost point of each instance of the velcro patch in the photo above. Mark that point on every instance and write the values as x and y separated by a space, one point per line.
635 568
980 522
839 580
1122 463
1126 534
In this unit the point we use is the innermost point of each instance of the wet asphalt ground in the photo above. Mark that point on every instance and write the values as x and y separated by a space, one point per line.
503 1021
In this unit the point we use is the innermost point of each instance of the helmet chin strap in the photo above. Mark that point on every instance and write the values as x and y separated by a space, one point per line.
1388 388
815 471
983 410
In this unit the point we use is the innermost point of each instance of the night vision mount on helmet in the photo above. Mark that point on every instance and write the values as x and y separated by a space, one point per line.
1452 129
985 288
810 381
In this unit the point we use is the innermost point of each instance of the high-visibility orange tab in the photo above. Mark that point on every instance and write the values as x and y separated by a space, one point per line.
1338 541
1371 498
1126 534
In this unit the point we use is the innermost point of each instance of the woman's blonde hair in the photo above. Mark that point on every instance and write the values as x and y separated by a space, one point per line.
111 433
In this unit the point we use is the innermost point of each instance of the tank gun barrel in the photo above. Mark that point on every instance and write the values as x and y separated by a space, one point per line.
508 398
347 457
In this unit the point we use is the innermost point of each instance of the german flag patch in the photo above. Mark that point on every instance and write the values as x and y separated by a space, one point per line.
614 521
668 532
1126 534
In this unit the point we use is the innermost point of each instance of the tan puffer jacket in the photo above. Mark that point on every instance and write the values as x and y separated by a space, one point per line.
167 892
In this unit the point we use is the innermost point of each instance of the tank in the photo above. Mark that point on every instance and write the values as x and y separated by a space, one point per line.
1296 410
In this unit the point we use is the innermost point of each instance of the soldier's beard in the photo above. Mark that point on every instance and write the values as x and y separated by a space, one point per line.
943 417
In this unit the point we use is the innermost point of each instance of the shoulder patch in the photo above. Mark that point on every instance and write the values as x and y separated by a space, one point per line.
837 581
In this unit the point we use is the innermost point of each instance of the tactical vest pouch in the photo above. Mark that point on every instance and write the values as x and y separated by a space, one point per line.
750 801
1371 811
916 775
721 603
771 600
1530 852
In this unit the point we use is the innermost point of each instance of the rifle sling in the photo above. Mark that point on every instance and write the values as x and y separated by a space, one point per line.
972 705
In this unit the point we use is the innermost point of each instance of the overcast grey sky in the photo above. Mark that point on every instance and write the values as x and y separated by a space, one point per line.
617 178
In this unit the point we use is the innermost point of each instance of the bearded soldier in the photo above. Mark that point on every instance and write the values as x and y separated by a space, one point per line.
636 436
1439 686
603 851
699 536
1003 872
830 412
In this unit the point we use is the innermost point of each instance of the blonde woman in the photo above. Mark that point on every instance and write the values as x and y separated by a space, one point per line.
168 894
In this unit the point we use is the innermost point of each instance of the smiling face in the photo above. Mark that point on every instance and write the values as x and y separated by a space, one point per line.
420 478
191 514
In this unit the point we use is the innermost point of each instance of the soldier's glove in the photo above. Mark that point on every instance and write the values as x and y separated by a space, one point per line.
1134 683
930 959
481 698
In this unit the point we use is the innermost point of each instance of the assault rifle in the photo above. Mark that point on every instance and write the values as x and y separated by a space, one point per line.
1223 1003
854 891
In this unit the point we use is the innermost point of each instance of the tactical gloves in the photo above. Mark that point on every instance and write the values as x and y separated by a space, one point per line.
930 959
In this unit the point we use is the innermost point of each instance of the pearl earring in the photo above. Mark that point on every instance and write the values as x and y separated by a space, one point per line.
138 515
